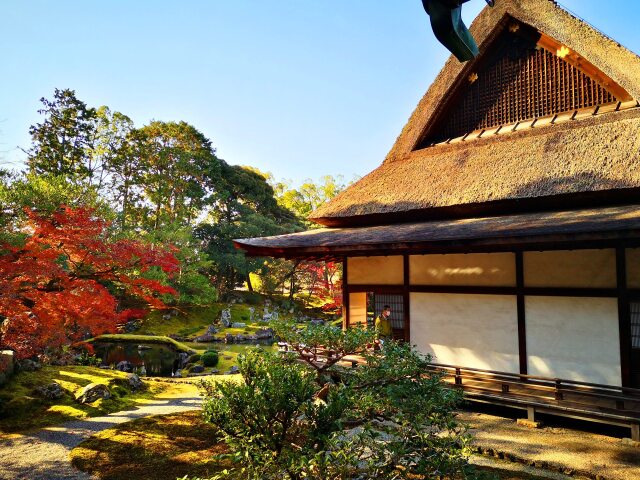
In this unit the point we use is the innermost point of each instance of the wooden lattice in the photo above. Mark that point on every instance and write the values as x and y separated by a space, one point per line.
519 81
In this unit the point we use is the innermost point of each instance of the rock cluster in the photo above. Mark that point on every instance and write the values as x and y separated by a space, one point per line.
53 391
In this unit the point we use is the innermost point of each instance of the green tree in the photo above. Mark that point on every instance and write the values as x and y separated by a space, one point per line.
178 172
243 206
61 142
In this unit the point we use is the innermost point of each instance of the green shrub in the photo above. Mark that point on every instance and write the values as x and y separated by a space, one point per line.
210 358
293 419
194 358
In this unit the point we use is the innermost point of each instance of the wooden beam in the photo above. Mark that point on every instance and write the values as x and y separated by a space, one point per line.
520 305
624 317
345 294
406 298
586 67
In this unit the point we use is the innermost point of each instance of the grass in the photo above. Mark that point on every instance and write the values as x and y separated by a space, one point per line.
192 322
158 448
134 338
22 410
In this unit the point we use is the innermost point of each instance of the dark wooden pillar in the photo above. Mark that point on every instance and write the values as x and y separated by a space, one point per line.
406 298
345 295
522 324
624 317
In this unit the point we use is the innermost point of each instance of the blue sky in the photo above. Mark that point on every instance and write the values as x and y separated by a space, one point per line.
299 88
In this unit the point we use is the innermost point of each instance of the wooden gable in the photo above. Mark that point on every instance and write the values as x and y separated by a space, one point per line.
522 75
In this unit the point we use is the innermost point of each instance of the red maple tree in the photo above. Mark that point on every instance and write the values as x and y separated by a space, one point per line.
55 287
325 282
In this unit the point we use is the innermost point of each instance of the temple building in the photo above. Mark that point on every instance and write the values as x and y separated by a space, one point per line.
503 227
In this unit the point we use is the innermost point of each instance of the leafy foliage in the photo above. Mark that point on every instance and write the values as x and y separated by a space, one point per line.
295 416
56 288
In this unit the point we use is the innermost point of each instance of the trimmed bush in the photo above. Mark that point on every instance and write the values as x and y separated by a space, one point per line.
210 358
194 358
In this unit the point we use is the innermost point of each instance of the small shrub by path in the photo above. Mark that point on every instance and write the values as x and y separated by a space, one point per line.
22 409
154 448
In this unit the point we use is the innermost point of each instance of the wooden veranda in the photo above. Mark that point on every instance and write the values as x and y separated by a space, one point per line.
612 405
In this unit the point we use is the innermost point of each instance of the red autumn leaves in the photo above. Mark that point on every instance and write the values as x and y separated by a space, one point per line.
58 287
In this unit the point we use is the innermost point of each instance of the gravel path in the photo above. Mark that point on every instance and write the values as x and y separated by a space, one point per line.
44 454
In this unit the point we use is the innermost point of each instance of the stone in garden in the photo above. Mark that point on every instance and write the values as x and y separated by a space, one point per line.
7 365
53 391
183 359
124 366
27 365
225 317
134 381
238 325
206 338
177 374
317 321
252 311
228 338
166 317
232 370
93 392
264 333
197 369
215 371
211 329
240 338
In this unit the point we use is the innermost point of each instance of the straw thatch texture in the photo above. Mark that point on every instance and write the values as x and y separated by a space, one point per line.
488 231
587 155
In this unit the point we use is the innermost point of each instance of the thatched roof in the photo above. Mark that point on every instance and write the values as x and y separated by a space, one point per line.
529 230
590 157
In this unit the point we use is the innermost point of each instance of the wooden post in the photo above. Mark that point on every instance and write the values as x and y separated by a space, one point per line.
522 327
635 432
345 295
531 414
406 299
624 317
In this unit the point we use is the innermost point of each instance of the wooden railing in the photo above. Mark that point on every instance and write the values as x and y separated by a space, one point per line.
591 401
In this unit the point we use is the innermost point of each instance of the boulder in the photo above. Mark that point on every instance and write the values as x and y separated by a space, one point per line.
264 333
183 359
93 392
53 391
228 338
211 329
225 317
7 365
197 369
124 366
27 365
206 338
238 325
134 381
233 370
215 371
177 374
131 326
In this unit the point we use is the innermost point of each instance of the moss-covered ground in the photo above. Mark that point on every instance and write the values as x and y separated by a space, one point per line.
21 409
167 447
155 448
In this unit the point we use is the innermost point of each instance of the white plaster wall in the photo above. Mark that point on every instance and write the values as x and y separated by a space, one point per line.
633 267
479 269
479 331
570 268
375 270
573 338
357 308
